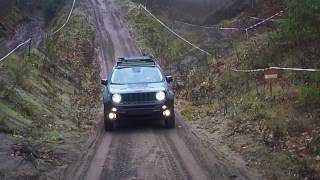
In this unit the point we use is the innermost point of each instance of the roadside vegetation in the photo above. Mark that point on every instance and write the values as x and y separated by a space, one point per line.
277 130
15 13
48 98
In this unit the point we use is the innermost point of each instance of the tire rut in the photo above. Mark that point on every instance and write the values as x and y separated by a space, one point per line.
117 165
143 154
177 170
147 152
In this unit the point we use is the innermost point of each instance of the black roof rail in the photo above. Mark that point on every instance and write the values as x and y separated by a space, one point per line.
135 61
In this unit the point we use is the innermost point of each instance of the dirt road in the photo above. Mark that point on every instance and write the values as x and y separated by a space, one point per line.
145 150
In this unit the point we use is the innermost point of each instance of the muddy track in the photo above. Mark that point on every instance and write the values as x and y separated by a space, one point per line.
146 150
113 37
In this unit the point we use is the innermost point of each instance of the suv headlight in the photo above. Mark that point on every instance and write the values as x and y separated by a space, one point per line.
160 96
116 98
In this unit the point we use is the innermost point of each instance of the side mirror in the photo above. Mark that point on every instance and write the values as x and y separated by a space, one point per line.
169 79
104 82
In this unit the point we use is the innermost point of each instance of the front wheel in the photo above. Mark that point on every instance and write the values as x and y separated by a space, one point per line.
108 125
170 123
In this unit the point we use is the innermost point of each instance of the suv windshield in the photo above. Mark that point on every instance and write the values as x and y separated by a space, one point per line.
132 75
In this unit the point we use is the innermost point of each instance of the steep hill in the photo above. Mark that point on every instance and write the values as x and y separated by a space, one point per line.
48 96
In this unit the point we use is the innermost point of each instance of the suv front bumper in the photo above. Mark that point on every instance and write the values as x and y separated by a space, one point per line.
140 111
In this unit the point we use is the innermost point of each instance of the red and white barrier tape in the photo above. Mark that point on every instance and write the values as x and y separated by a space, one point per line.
172 31
296 69
253 70
265 20
210 27
260 19
67 20
13 50
237 29
277 68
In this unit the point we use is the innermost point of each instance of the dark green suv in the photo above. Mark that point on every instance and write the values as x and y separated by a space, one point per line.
138 89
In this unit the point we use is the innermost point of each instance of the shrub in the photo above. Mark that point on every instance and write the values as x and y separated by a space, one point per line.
13 72
231 84
310 97
314 147
303 23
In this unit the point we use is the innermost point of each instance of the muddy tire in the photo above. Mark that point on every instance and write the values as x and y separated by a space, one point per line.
170 123
108 125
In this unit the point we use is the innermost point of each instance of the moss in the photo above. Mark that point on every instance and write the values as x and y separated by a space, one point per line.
4 128
55 137
187 113
310 97
77 30
314 147
279 162
12 119
42 88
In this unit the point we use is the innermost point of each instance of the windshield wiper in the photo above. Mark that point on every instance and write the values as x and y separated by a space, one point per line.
117 84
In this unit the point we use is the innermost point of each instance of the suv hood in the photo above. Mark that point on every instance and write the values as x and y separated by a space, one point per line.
137 88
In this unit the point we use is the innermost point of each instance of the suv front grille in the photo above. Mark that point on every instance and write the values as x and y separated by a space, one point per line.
139 98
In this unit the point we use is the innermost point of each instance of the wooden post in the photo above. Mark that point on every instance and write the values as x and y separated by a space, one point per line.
30 43
247 34
270 76
270 86
247 82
